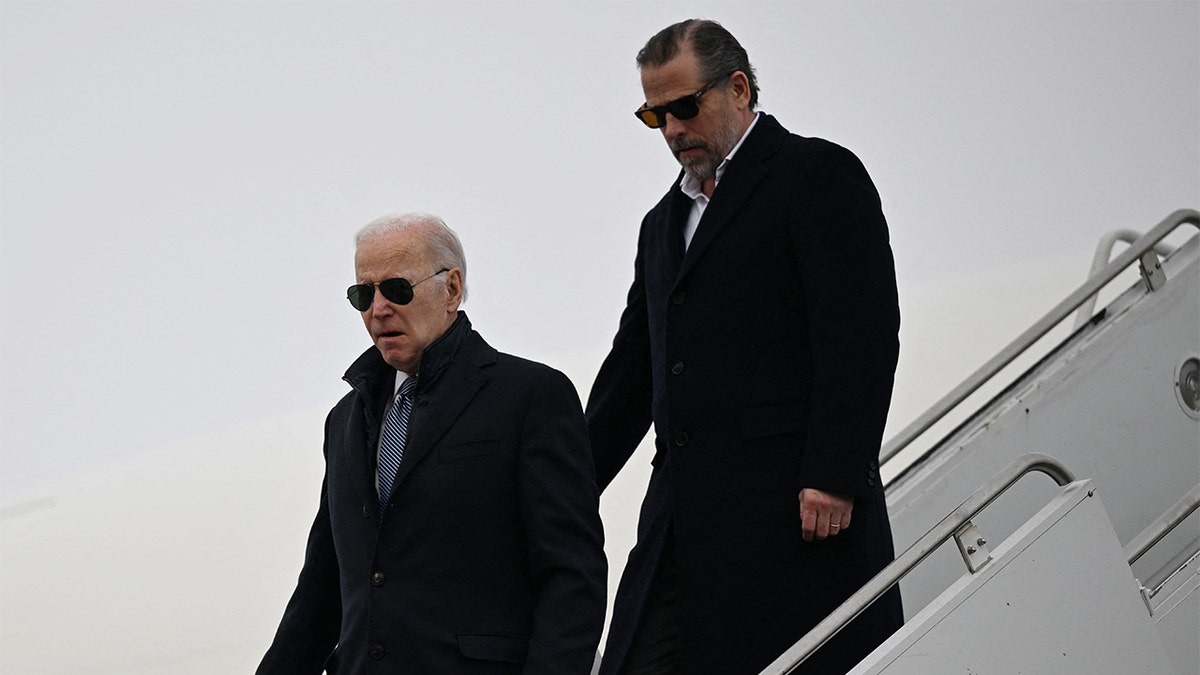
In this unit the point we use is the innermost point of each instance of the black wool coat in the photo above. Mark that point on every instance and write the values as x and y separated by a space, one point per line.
764 357
489 557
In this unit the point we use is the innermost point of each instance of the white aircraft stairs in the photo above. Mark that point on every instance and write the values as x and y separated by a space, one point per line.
1004 573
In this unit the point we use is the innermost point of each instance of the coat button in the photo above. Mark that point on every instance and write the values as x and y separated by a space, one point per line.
366 512
678 297
376 651
377 579
681 438
677 367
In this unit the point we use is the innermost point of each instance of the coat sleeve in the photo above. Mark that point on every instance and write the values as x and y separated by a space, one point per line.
853 319
619 405
559 504
311 622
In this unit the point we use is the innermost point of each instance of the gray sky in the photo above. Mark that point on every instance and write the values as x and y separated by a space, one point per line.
180 182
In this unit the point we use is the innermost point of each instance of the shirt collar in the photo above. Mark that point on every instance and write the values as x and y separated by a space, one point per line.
401 376
438 355
692 188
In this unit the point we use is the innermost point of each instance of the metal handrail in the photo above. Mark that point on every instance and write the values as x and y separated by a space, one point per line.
1100 259
1036 331
950 526
1173 516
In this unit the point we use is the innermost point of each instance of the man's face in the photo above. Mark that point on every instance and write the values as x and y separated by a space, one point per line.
402 332
701 143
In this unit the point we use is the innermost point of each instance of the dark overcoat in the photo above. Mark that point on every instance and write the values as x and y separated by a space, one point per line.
489 557
764 357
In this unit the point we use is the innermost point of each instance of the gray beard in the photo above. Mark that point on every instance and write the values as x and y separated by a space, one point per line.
704 167
701 168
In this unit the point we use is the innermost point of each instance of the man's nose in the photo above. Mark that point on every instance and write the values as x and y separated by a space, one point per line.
381 306
672 126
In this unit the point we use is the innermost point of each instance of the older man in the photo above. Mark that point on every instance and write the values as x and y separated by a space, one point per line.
760 339
458 529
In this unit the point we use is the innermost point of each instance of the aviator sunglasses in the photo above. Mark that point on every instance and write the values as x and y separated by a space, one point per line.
683 108
398 290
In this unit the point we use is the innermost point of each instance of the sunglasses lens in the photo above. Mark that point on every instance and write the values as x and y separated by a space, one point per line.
360 296
685 108
682 108
649 117
399 291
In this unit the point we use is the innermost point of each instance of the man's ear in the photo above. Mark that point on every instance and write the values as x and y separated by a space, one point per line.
739 84
454 289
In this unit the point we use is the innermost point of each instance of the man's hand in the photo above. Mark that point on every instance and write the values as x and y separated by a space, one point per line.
823 514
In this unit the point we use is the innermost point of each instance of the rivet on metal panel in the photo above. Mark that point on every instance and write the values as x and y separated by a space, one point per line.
974 555
1152 271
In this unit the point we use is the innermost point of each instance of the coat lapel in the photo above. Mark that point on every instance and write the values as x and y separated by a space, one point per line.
741 178
369 376
362 439
672 251
436 411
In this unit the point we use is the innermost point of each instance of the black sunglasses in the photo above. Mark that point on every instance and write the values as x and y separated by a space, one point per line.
398 290
683 108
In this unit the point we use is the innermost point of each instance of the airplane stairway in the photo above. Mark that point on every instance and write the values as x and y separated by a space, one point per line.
1003 575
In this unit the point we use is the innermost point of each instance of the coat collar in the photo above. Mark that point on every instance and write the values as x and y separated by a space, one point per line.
743 174
369 371
438 407
452 371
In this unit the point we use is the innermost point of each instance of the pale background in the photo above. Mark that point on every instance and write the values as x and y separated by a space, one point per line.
180 181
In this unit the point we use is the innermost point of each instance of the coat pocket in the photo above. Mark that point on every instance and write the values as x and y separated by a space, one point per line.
502 647
475 448
774 419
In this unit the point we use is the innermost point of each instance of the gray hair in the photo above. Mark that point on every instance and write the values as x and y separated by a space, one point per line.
441 243
717 51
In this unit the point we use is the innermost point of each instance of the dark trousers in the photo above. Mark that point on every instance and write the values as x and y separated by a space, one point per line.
655 649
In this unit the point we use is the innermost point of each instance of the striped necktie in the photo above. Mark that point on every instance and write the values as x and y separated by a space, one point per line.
393 438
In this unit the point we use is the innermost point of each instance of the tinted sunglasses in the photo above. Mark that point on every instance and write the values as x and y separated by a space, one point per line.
398 290
682 108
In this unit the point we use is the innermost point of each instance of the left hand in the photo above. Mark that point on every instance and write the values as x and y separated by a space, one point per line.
823 514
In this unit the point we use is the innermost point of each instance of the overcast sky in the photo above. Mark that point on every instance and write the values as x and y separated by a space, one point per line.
180 183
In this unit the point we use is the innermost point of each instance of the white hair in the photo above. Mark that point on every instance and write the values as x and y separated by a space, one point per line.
442 244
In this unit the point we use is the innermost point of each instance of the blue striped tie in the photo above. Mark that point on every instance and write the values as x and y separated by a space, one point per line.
393 438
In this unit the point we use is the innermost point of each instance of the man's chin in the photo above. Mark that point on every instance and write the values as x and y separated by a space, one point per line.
697 173
396 358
